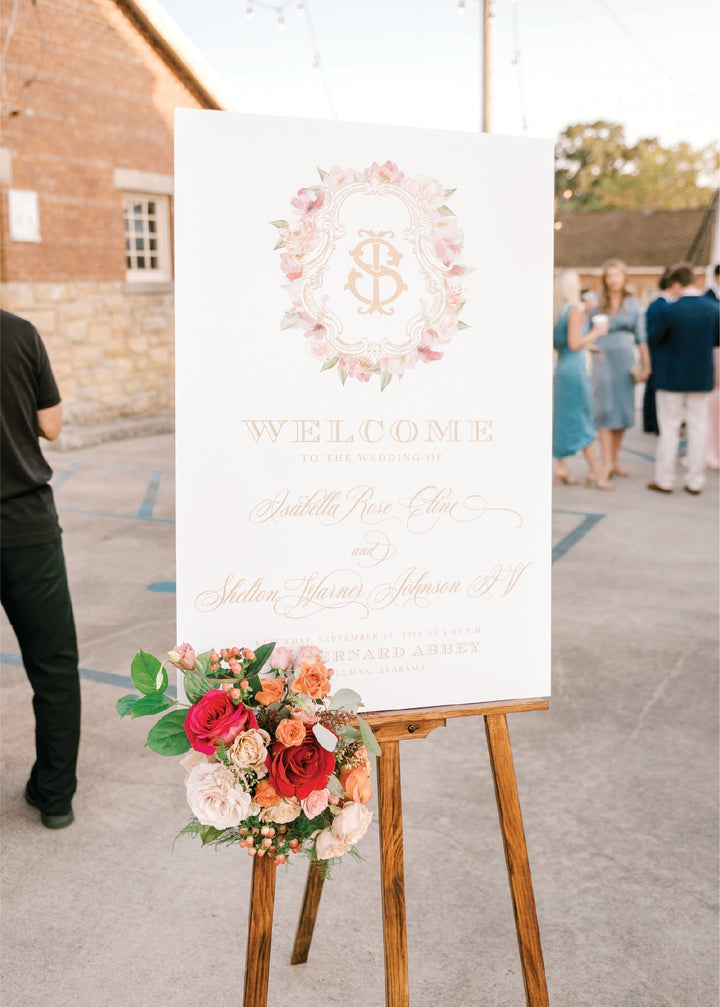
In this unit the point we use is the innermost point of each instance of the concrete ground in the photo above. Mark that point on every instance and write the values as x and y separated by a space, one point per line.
618 783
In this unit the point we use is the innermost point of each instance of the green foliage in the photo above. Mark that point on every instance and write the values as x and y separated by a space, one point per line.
368 737
148 674
600 170
148 706
126 703
168 737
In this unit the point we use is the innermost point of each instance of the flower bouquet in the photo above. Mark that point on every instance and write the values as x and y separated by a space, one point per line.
275 763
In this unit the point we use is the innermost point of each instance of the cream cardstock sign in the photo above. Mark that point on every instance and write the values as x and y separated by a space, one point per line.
363 401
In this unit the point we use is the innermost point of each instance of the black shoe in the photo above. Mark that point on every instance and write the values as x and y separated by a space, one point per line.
657 488
50 821
695 493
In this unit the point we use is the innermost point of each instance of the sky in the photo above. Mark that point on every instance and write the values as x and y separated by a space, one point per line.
649 64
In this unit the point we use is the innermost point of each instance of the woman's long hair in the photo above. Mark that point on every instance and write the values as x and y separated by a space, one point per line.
605 294
566 290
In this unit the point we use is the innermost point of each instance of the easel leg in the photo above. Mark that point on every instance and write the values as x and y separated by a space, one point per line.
308 914
262 904
516 857
393 876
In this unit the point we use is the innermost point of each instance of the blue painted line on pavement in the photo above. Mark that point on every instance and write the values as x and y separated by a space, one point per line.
163 587
147 507
59 481
639 454
114 514
90 674
572 538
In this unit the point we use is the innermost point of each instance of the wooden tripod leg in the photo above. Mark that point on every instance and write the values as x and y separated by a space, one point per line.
260 920
393 876
516 857
308 914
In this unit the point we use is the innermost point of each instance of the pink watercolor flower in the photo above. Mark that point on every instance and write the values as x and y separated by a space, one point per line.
290 267
427 191
337 177
388 173
307 201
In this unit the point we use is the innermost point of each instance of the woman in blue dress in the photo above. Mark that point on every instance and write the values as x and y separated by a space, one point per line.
612 383
572 411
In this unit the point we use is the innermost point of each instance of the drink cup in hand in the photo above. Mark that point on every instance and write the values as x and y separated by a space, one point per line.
600 324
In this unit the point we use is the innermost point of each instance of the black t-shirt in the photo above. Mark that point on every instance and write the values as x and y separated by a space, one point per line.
27 512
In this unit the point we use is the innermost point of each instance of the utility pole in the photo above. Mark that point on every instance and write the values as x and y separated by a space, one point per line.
485 21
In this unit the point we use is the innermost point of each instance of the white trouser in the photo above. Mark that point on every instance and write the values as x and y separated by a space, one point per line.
672 409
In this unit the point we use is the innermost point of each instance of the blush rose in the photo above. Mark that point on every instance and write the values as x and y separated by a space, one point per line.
216 720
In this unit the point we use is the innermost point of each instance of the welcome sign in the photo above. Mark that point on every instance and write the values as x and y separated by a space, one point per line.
363 401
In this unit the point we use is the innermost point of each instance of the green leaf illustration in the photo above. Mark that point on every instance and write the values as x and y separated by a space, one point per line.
168 737
329 364
279 223
291 318
449 192
343 375
278 244
126 703
368 737
446 211
463 325
156 702
322 174
148 674
385 380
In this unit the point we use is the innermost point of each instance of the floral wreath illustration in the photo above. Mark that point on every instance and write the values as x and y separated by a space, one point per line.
307 245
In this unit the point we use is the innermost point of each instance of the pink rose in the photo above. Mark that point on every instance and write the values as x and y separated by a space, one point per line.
216 720
183 656
281 659
307 653
328 845
315 802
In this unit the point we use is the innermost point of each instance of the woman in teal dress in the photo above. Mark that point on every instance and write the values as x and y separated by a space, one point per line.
612 383
573 429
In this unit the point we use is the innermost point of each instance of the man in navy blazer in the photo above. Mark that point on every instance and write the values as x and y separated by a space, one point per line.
713 291
685 332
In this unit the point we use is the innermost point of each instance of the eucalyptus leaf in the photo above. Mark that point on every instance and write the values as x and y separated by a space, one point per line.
385 381
446 211
148 706
369 739
460 306
325 738
148 674
343 375
195 685
329 364
449 192
345 698
126 703
463 325
168 736
322 173
279 223
278 244
335 787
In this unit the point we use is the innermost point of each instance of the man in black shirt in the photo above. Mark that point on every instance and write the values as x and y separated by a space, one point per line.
33 579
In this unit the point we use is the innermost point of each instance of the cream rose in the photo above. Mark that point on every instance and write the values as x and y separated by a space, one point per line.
192 759
327 845
214 796
352 823
286 810
249 751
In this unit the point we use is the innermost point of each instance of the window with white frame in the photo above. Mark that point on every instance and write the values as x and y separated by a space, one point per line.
147 236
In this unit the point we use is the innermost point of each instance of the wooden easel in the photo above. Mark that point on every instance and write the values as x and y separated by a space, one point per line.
390 729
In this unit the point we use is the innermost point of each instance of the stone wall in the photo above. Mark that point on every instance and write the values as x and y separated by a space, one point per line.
111 346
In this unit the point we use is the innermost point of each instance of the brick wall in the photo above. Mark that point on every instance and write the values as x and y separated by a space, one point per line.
86 93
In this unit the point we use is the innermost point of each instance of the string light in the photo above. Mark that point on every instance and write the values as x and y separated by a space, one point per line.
281 20
300 9
249 13
461 8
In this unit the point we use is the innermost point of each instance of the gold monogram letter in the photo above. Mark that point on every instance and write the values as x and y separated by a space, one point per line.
385 280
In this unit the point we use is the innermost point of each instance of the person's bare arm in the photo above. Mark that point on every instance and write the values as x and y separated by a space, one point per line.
50 422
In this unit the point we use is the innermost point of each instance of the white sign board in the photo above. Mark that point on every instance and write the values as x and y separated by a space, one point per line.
363 318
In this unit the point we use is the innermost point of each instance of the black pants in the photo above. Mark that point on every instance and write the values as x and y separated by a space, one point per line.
36 598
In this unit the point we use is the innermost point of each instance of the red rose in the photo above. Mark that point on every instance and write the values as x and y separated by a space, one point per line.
296 771
216 720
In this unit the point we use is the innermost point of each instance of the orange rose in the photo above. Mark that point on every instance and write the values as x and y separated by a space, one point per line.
312 679
291 732
355 781
265 794
273 690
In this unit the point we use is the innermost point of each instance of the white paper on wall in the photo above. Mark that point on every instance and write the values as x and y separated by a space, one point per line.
363 319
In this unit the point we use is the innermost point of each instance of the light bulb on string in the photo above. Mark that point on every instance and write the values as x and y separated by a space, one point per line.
249 13
316 62
461 8
300 8
281 20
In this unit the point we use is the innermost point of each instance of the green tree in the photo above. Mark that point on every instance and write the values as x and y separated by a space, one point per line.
596 169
